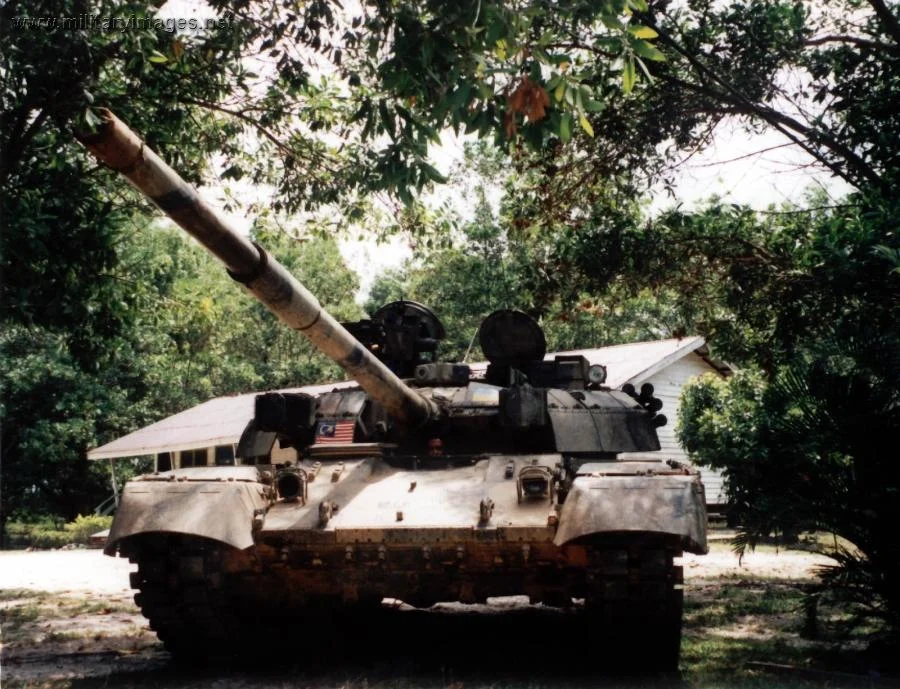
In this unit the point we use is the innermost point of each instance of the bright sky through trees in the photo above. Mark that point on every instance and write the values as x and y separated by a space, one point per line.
757 170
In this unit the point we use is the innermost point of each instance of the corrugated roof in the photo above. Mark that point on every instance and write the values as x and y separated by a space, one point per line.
221 421
634 363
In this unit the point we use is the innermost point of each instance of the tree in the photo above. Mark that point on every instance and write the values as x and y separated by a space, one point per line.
403 71
813 448
50 406
807 302
228 342
76 369
73 373
489 262
190 334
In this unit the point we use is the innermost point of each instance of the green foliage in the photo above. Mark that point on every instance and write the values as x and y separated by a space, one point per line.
85 526
105 326
812 448
385 78
495 260
190 334
756 284
48 534
73 371
226 342
805 436
51 406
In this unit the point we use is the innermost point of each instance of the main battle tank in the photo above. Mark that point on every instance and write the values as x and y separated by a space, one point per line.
423 481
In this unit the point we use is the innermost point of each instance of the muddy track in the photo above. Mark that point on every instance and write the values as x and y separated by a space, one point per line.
202 604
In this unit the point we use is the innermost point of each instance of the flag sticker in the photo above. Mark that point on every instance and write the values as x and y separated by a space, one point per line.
335 432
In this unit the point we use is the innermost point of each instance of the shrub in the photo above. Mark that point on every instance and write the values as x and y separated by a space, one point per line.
47 538
84 526
46 534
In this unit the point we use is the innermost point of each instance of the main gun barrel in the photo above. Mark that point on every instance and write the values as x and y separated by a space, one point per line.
122 150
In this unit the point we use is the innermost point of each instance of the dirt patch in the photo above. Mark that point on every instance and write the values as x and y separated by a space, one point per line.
64 570
766 562
55 635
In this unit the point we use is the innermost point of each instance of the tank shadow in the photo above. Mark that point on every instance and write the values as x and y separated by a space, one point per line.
534 640
445 646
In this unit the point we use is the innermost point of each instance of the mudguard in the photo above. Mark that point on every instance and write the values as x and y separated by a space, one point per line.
217 503
670 505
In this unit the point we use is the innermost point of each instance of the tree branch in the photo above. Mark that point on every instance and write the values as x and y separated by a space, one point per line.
267 133
854 40
788 126
14 147
887 18
800 211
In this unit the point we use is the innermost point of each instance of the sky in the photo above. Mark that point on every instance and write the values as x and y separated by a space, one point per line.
754 170
757 170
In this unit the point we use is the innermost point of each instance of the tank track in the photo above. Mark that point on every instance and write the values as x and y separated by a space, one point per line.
182 592
635 604
632 602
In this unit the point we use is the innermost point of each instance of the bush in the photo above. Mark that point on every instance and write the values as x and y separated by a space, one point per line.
85 526
47 538
47 534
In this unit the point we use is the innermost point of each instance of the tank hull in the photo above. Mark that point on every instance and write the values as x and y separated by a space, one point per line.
411 534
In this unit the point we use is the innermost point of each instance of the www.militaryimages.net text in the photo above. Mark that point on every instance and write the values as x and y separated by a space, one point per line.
90 22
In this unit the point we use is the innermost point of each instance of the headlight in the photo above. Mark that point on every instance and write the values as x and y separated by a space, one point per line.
597 374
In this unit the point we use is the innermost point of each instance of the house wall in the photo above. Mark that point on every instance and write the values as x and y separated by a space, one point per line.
667 386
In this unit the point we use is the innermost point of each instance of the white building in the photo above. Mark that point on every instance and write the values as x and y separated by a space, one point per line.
208 433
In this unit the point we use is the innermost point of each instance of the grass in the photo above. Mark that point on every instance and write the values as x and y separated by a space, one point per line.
7 595
20 611
730 603
730 624
26 616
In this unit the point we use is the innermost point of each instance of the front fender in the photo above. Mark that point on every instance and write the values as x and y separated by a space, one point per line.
220 510
671 505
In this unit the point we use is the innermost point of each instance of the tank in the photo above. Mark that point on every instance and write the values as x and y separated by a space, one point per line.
418 480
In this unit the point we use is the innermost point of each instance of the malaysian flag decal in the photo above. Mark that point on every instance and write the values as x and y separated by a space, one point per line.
335 432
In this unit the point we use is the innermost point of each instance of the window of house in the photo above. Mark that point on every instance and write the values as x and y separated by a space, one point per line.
193 458
224 455
164 461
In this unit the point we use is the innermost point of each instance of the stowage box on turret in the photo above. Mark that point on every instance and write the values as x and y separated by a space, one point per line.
425 482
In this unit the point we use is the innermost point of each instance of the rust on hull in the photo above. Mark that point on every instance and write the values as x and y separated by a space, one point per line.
442 550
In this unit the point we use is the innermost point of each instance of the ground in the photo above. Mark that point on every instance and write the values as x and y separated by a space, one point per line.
69 621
